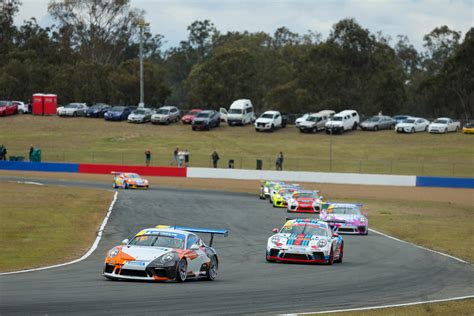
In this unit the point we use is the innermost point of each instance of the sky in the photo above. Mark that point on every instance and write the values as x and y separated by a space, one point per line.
170 18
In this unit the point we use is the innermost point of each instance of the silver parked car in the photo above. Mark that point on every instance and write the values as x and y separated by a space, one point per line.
140 115
377 122
165 115
73 109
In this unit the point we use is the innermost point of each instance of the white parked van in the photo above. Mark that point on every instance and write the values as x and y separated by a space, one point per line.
316 121
343 121
240 112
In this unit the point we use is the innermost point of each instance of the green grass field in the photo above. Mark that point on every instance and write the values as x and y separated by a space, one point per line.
99 141
44 225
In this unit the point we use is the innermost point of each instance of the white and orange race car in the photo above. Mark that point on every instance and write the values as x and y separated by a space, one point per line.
164 253
305 201
128 180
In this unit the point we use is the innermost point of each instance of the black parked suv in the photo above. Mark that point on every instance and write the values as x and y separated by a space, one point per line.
205 120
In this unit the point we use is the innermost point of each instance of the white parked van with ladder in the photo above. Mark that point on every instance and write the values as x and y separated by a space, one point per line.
240 112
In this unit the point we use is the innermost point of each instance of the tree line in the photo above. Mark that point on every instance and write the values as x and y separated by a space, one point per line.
91 55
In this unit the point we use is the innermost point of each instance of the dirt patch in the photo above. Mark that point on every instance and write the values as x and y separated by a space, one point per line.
463 197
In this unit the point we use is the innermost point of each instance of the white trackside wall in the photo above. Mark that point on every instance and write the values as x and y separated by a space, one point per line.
301 176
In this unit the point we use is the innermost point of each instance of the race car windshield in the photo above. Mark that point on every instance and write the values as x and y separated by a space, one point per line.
267 116
304 229
235 111
345 210
312 195
133 176
157 241
441 121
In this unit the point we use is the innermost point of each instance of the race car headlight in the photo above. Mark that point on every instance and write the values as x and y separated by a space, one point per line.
322 243
275 239
113 252
166 258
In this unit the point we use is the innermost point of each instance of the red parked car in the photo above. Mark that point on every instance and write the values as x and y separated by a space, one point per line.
188 117
8 108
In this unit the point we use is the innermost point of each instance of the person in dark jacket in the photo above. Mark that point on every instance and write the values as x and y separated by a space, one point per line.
147 157
279 161
215 158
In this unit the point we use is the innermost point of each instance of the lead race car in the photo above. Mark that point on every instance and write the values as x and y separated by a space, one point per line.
266 187
164 253
280 197
128 180
306 241
305 201
346 218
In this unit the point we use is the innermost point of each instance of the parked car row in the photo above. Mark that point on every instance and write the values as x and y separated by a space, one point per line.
13 107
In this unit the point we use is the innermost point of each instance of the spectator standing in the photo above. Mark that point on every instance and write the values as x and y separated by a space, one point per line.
147 157
279 161
3 153
32 148
180 158
215 158
175 156
186 157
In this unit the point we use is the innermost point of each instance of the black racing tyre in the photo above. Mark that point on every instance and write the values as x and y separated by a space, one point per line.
211 273
341 255
125 185
111 278
331 258
181 270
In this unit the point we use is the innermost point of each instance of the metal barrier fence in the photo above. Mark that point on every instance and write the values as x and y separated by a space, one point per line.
401 167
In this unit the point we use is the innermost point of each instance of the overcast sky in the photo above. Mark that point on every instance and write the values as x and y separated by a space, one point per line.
413 18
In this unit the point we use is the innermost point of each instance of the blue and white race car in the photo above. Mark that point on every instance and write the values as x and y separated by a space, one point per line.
305 240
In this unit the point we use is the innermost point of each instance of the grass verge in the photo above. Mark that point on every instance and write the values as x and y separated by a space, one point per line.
44 225
97 141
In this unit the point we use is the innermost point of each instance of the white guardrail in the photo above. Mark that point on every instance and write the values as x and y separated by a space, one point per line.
301 176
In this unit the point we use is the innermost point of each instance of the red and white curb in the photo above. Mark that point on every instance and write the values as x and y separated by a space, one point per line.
87 254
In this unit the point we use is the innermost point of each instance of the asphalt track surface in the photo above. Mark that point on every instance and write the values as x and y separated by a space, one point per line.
376 270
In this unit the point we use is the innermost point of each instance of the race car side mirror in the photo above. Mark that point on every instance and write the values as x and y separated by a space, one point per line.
125 241
275 230
335 235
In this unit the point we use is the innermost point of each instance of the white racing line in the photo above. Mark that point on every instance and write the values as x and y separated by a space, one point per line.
395 305
384 306
87 254
28 182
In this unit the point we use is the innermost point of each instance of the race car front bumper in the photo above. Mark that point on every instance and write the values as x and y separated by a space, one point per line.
303 209
288 255
349 228
280 203
148 273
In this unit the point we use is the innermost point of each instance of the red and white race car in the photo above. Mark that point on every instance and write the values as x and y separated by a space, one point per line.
305 201
128 180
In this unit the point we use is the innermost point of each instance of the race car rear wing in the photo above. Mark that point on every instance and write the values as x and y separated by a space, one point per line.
213 232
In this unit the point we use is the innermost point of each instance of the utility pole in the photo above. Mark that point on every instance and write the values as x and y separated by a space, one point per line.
142 26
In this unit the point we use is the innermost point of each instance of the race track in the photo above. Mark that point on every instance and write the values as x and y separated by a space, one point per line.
376 270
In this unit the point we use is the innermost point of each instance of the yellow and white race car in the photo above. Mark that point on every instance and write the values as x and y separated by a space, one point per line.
128 180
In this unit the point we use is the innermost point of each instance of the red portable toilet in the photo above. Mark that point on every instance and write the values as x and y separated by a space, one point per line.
38 100
50 104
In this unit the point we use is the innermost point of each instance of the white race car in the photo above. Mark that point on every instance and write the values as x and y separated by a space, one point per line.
305 201
164 253
412 125
305 240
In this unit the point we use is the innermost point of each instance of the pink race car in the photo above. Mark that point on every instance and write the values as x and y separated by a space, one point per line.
346 218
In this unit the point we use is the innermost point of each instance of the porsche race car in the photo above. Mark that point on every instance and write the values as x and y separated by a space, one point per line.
127 180
305 201
305 240
346 218
281 196
266 187
164 253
